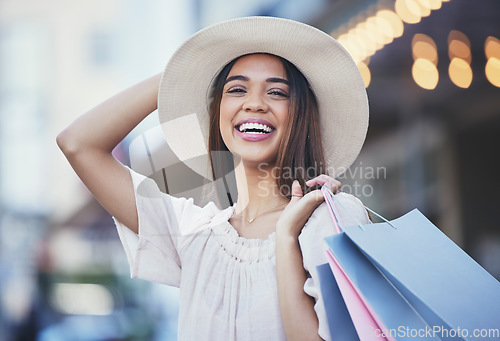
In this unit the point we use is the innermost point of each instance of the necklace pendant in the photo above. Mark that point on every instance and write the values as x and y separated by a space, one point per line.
251 220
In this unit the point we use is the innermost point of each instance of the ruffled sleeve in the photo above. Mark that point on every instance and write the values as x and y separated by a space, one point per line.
313 247
164 224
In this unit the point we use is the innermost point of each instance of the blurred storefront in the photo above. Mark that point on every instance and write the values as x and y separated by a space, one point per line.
432 71
63 275
433 77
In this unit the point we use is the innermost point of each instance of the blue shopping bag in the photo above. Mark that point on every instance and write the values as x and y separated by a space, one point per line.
339 321
421 285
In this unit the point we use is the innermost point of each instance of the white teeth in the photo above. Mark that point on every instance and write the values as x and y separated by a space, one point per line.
249 125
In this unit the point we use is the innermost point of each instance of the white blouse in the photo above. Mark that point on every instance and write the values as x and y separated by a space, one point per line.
227 283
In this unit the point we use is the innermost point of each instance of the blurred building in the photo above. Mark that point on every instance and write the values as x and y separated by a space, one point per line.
432 76
434 86
57 60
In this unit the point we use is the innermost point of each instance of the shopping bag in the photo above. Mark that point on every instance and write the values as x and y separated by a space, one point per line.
338 285
393 315
338 318
364 319
368 318
417 282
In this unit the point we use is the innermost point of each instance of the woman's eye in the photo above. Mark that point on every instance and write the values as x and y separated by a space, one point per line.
278 93
235 90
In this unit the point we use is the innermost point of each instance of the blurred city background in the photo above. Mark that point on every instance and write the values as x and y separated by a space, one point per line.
432 72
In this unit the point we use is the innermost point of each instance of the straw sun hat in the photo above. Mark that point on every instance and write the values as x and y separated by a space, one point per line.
330 70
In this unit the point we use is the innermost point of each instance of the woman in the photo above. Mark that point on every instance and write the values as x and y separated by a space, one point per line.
286 101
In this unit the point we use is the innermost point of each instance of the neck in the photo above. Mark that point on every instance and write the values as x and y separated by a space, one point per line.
257 189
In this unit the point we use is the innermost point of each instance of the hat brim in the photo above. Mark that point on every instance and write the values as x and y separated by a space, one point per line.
330 70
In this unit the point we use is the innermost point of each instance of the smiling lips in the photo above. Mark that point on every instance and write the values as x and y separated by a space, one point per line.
254 129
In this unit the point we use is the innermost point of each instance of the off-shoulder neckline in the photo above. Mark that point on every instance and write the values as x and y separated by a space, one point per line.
241 248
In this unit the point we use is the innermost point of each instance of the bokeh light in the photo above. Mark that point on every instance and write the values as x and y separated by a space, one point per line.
460 55
382 26
424 47
492 47
366 38
377 35
460 73
394 21
425 74
435 4
492 71
492 68
459 49
459 46
82 299
371 35
425 7
365 73
408 10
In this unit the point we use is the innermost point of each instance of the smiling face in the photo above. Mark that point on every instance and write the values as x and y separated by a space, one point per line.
254 108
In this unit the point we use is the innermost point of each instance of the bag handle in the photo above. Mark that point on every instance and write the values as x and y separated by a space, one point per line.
330 198
331 208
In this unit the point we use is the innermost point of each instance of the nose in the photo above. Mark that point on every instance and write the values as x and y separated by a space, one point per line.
255 103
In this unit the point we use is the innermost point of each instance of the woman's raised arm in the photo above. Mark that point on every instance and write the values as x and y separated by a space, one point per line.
88 142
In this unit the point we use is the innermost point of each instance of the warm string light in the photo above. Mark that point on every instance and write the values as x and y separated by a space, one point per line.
460 58
412 11
424 46
492 68
367 37
371 35
365 73
424 70
408 10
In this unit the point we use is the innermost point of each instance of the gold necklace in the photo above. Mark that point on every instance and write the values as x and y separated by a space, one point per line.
272 208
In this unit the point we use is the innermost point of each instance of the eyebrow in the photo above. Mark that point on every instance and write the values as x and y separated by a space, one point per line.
246 79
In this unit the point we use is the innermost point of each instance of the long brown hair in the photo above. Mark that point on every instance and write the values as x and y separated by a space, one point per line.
300 154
